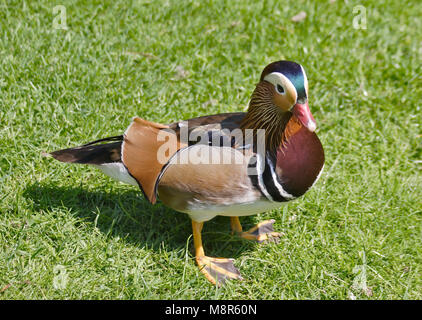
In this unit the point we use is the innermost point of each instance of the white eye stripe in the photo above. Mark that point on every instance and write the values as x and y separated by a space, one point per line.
276 78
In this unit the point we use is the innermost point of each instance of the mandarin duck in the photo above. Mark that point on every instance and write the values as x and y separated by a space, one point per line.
231 164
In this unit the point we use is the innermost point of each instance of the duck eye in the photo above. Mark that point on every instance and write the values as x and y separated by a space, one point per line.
280 89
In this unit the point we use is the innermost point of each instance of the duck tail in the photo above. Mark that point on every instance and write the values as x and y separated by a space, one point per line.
94 152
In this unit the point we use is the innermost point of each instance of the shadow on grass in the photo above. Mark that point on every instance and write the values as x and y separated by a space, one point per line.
128 215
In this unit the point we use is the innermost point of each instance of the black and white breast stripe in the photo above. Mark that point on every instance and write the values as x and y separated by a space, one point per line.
263 176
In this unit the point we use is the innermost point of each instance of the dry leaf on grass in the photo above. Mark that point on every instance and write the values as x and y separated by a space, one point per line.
5 287
211 102
181 73
299 17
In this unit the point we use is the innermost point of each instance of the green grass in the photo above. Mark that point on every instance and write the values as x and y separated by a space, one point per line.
68 232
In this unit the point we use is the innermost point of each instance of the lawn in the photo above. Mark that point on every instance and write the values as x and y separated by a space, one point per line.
69 232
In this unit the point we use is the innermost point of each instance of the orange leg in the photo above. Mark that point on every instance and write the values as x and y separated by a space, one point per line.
216 270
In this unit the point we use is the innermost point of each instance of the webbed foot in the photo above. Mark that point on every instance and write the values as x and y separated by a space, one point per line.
262 232
218 270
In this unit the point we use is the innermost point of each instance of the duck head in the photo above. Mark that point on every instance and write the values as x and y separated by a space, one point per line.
281 92
289 90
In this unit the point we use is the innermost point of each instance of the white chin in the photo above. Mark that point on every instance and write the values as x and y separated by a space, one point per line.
311 126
